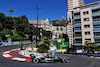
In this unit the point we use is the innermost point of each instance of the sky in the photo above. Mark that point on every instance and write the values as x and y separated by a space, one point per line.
53 9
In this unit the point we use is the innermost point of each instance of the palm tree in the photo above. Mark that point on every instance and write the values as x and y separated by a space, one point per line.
10 10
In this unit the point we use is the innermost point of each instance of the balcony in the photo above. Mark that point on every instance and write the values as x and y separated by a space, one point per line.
95 8
96 28
96 21
98 44
77 22
76 12
78 35
77 30
95 14
77 25
78 44
77 17
97 41
96 36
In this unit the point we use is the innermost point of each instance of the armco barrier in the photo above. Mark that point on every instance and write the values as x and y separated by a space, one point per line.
10 43
98 54
15 42
6 43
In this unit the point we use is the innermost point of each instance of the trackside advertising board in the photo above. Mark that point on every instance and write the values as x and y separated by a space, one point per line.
6 43
15 42
62 45
10 43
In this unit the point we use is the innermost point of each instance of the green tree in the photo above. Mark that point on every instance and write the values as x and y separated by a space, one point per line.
20 33
22 23
9 32
15 26
9 23
1 27
10 10
43 48
2 19
90 46
54 42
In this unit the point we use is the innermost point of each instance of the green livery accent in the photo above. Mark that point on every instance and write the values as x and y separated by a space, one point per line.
62 45
36 60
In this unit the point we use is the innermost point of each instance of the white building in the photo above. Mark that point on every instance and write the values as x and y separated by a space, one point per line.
57 30
72 4
87 24
44 24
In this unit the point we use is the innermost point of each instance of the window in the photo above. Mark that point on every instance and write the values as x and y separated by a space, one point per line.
87 33
85 13
86 26
88 40
86 19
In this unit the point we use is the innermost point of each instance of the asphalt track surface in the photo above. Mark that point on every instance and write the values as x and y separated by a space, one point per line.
75 61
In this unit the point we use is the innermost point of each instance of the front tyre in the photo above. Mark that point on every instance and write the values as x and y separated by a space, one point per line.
67 61
35 60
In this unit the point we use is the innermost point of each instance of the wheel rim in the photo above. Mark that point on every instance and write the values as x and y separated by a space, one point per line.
35 60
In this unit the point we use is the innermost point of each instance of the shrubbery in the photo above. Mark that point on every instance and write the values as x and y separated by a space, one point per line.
16 37
43 48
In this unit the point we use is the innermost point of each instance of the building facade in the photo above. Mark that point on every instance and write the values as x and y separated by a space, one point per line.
44 24
86 24
57 31
72 4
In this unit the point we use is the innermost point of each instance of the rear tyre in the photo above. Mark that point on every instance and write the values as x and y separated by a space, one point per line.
35 60
63 60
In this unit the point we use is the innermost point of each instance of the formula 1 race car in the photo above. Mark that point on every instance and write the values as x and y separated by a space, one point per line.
38 59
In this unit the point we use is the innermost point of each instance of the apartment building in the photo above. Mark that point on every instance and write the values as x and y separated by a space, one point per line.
72 4
86 25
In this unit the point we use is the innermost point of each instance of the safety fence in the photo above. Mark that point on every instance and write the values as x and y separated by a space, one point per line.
10 43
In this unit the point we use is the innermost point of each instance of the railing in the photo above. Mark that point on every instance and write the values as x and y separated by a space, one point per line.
96 19
78 35
78 16
78 42
96 27
77 28
96 34
97 42
95 13
77 22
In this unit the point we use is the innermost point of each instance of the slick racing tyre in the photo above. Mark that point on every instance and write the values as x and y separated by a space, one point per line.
35 60
63 60
67 61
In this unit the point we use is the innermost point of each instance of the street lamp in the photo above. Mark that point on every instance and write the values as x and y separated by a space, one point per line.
37 20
